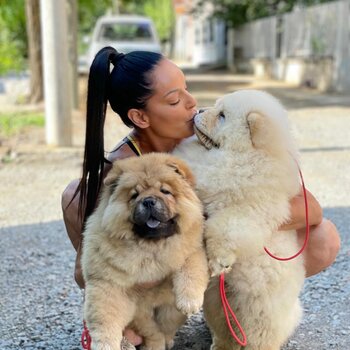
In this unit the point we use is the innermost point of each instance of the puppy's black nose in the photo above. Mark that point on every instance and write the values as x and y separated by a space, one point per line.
149 202
201 110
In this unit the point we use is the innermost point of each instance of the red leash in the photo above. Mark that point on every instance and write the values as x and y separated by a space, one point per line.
224 301
225 306
85 335
85 338
307 234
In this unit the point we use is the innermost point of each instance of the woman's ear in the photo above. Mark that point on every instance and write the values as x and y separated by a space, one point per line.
138 117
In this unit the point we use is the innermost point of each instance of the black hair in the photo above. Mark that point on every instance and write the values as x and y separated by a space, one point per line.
127 86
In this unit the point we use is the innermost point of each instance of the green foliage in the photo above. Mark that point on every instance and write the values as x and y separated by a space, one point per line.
89 11
237 12
162 13
11 55
14 123
13 37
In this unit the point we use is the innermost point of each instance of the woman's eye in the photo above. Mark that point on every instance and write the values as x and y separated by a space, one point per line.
134 196
175 103
164 191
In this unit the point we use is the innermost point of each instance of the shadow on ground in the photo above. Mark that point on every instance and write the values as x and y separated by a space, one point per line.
208 85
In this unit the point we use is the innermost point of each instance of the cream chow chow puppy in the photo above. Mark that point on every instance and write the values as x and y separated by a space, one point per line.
147 227
244 160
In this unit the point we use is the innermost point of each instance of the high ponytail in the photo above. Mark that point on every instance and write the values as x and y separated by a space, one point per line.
127 86
94 159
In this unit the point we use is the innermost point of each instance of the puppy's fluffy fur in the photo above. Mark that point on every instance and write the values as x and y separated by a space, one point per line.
147 227
246 175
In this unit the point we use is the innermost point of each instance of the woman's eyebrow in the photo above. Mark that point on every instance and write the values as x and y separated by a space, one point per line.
170 92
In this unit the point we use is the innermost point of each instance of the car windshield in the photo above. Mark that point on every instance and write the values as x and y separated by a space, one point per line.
125 32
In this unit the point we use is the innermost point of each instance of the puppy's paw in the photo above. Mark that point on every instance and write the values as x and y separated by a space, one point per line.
217 266
125 345
153 346
189 306
106 343
221 255
169 344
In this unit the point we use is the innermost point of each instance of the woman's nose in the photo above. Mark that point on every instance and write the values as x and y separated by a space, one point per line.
191 103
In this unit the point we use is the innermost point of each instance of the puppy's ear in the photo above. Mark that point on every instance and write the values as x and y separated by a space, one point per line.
113 175
181 168
264 132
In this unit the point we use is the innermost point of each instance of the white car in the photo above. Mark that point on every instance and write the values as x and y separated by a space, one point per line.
125 33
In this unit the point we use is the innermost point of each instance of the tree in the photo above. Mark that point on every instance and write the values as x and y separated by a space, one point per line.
237 12
13 42
34 48
162 13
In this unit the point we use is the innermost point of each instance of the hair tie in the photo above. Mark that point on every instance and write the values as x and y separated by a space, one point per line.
116 57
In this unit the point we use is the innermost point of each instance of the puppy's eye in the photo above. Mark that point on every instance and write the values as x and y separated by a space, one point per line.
166 192
221 117
134 195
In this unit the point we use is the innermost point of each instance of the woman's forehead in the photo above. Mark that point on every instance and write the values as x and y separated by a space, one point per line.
167 77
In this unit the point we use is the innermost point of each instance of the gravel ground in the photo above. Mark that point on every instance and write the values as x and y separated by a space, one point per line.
40 305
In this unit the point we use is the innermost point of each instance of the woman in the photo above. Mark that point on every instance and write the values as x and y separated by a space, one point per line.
150 95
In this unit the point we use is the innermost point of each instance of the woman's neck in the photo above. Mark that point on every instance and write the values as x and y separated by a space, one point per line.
148 142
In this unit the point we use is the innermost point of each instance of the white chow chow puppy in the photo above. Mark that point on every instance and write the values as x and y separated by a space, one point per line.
244 159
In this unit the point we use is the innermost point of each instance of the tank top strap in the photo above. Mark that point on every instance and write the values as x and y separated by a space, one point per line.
133 145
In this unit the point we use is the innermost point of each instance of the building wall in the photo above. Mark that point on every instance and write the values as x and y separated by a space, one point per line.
199 39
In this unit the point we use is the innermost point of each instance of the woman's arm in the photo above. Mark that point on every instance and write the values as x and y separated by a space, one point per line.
322 248
73 225
324 240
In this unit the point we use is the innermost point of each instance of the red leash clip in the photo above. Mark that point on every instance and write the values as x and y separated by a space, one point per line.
85 338
225 306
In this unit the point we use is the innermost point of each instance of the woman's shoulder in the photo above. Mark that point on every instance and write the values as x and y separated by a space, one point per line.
122 151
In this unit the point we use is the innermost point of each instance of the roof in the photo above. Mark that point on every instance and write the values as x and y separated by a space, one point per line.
124 18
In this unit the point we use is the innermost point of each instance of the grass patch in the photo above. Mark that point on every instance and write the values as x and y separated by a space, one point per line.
14 123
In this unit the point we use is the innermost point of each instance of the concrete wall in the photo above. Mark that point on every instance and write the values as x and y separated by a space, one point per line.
309 46
257 39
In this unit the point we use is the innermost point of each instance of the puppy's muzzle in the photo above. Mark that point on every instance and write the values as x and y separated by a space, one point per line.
152 219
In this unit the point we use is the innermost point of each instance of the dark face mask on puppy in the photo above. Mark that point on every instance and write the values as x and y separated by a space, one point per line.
152 219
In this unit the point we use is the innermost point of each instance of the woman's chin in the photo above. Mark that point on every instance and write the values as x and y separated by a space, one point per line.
190 131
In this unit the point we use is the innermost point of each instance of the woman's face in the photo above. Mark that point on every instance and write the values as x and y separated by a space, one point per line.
171 108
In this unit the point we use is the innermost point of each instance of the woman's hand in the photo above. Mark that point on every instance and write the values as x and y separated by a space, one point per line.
132 337
324 241
298 215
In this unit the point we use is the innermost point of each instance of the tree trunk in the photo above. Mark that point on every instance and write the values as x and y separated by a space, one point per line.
72 10
34 47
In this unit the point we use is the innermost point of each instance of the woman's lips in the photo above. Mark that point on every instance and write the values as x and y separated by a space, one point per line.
193 116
